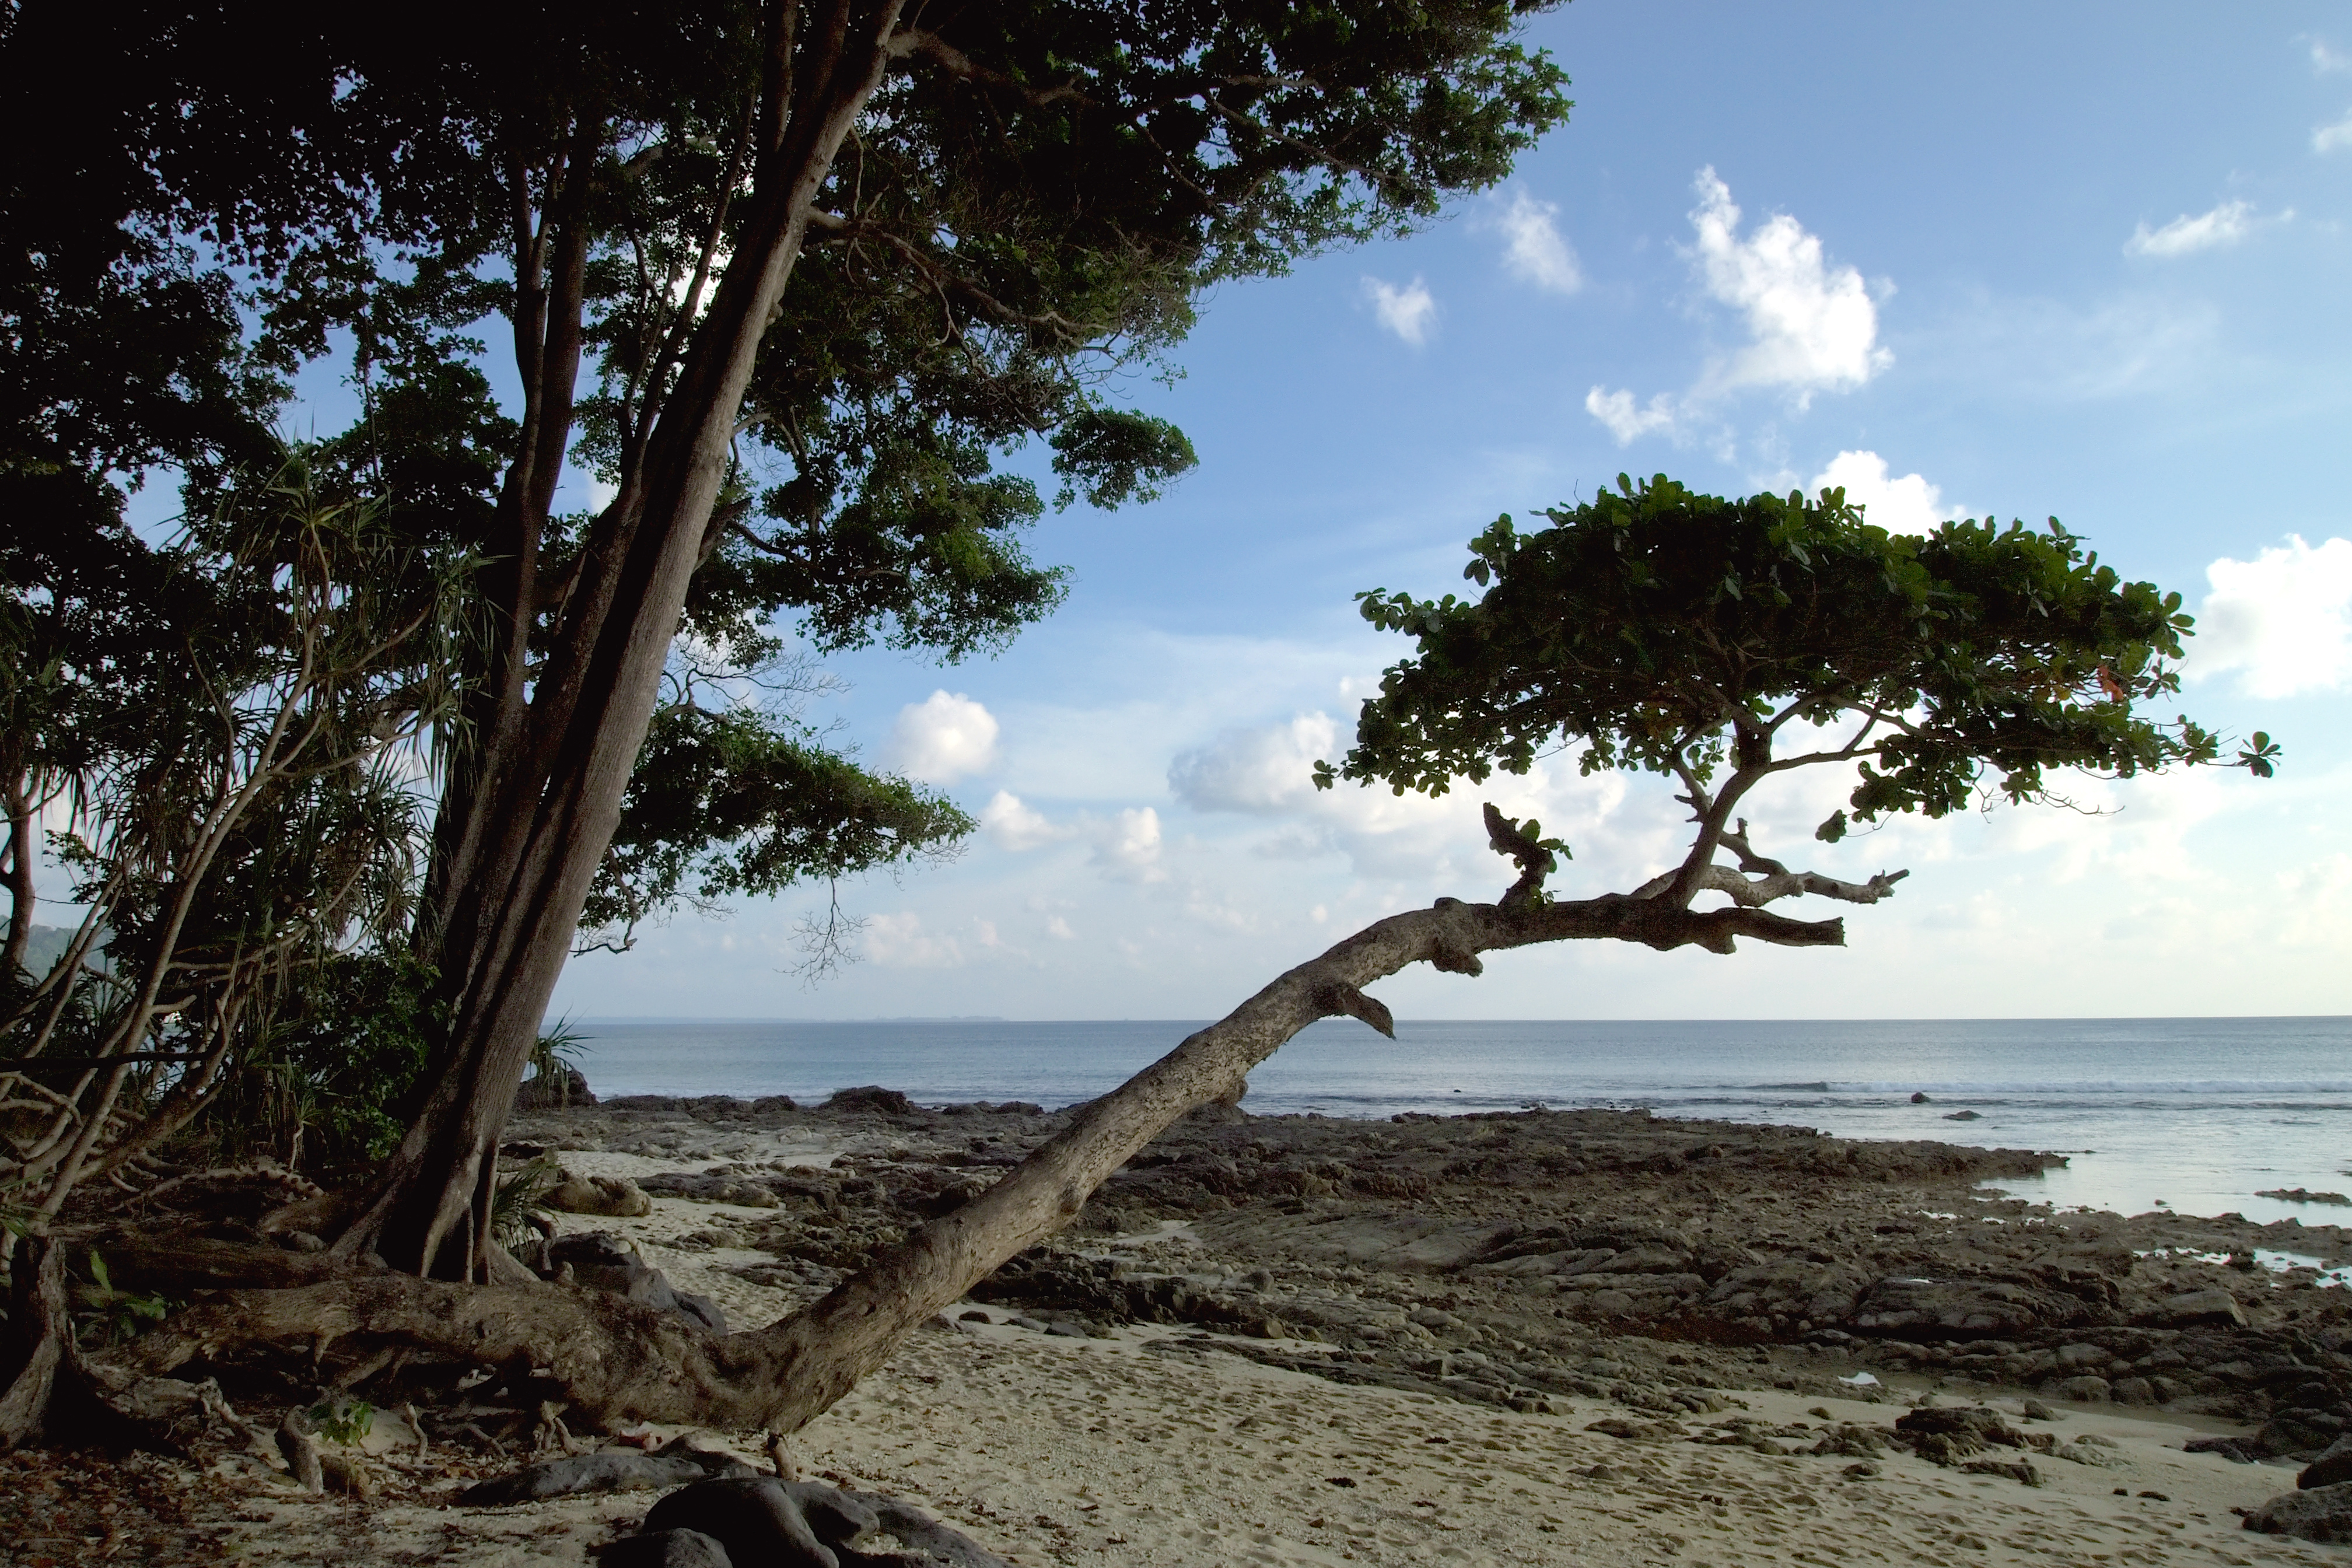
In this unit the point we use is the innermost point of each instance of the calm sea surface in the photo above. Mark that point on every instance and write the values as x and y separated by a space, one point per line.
2199 1112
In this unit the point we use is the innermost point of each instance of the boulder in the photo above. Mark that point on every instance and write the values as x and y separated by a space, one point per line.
873 1099
666 1549
601 1262
1973 1306
2087 1390
569 1087
615 1197
2332 1467
711 1188
1948 1436
755 1520
2237 1450
805 1524
2196 1308
2322 1514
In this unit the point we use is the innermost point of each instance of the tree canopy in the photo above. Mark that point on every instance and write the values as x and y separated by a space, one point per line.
1723 642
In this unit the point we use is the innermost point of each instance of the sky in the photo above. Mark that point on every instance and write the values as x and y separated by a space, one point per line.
2086 261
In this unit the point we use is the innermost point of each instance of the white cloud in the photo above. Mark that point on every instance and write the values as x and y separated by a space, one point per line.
899 941
1814 327
1260 770
2328 138
2282 620
1622 419
1410 312
1810 327
2324 59
1533 246
1016 827
943 738
2225 225
1129 848
1905 505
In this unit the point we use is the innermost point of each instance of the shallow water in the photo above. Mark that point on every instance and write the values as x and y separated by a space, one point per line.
2198 1112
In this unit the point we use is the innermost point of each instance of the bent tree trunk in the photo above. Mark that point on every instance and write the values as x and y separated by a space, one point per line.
528 826
615 1360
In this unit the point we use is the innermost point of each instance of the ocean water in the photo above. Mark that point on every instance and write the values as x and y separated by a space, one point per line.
2196 1113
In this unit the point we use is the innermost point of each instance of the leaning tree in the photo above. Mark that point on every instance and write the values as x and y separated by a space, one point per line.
1719 643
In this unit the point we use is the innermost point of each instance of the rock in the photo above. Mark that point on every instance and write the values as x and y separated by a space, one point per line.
303 1461
2132 1390
756 1521
2087 1390
2322 1514
347 1474
872 1099
667 1549
609 1470
1975 1306
1964 1116
710 1189
615 1197
601 1262
567 1088
2287 1434
2332 1467
933 1544
2303 1195
2019 1470
2037 1411
1921 1098
1946 1435
2231 1448
770 1523
2199 1307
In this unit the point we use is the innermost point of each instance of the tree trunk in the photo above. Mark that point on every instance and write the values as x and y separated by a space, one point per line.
540 806
615 1360
23 825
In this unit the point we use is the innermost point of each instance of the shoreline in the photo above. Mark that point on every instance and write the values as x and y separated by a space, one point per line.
1586 1337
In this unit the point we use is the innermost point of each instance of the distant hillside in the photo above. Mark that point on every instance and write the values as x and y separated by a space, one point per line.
48 945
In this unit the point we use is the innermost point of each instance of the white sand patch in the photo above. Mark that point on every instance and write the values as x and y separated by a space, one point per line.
1054 1450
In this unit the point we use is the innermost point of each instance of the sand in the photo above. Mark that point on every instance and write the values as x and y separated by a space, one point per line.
1150 1446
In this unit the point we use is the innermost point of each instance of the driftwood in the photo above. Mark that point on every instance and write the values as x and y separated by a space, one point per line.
614 1360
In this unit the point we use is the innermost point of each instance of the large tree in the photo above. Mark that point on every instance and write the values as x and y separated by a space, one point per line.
795 282
1721 643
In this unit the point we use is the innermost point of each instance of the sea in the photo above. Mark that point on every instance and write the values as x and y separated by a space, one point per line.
2194 1114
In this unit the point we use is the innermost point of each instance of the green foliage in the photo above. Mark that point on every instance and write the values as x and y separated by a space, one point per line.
520 1196
343 1420
556 1049
324 1088
232 722
728 804
109 1316
1662 630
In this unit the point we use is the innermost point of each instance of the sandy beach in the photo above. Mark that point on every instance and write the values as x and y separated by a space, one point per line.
1356 1371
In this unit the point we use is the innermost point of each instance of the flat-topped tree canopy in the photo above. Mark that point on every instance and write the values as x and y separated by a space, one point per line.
1721 642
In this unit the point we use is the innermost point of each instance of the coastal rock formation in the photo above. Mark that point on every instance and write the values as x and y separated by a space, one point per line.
2322 1514
1523 1258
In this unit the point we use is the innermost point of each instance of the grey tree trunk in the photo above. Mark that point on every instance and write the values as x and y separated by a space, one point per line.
533 817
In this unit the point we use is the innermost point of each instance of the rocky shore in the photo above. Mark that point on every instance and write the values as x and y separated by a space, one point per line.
1514 1257
1587 1337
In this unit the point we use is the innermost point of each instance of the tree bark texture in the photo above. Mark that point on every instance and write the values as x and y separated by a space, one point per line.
617 1362
540 802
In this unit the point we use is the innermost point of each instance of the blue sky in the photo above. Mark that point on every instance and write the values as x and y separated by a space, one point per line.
2087 261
